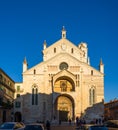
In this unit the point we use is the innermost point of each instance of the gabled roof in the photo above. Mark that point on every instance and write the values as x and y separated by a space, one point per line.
61 41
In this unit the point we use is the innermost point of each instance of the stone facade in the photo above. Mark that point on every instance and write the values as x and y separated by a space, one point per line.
111 110
7 90
62 86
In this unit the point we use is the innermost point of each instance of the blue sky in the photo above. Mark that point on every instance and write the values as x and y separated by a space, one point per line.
25 24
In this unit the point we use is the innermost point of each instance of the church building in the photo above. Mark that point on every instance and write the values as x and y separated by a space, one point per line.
62 87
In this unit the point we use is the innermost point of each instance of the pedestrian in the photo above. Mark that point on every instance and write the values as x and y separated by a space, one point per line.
96 121
47 125
99 120
77 121
59 122
69 121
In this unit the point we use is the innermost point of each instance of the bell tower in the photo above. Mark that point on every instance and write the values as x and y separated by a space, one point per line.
44 45
101 67
25 65
63 32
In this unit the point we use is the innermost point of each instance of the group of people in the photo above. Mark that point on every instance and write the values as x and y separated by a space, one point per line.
80 121
99 121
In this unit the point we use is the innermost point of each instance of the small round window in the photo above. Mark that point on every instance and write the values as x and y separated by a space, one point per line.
63 66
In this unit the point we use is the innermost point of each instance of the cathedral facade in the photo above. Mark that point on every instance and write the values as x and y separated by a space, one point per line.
62 87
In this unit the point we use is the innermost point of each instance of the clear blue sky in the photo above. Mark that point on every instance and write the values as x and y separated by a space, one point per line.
25 24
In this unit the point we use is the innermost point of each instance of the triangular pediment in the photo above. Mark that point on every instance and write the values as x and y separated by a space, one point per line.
63 51
64 73
63 46
61 43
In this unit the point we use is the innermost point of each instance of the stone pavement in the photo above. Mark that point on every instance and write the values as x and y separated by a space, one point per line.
70 127
63 127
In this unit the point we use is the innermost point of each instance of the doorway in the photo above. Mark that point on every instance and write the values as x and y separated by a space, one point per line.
65 108
18 117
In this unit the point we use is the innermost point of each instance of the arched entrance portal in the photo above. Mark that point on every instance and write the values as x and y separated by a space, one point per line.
18 117
64 108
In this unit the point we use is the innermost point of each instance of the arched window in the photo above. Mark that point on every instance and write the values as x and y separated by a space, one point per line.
63 85
91 96
34 95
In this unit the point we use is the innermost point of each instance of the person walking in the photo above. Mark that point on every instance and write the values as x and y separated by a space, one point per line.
47 125
69 121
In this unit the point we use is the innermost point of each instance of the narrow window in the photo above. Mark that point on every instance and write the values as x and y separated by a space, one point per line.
34 96
93 93
18 88
72 50
91 96
34 71
91 72
17 104
54 50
